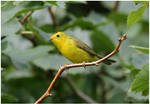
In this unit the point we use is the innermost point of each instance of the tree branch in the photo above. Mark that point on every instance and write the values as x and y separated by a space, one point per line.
86 98
26 17
53 17
62 68
116 5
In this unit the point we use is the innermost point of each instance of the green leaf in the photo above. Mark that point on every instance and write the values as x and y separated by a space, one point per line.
19 74
50 3
80 22
5 61
42 33
12 73
75 2
133 69
18 42
118 17
10 11
27 10
5 3
11 27
142 49
48 28
101 42
50 62
3 44
141 81
135 16
53 62
21 58
6 98
41 36
7 12
55 3
137 2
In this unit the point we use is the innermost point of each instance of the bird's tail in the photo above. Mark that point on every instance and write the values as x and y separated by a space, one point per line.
109 61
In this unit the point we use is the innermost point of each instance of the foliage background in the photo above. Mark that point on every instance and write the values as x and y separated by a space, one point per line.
29 61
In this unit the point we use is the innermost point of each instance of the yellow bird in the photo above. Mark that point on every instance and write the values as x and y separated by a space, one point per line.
74 49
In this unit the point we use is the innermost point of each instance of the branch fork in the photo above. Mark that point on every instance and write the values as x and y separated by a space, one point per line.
67 66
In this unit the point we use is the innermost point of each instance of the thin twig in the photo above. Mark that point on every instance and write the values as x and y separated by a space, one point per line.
29 35
62 68
26 32
53 17
116 5
26 17
86 98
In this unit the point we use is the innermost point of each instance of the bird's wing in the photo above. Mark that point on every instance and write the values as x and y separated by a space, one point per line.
83 46
86 48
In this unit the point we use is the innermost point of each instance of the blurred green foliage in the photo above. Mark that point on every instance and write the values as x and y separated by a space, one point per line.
135 16
142 49
29 61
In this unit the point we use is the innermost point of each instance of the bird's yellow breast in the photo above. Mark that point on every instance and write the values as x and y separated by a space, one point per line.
75 54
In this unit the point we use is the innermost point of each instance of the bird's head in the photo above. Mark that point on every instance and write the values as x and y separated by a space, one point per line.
58 38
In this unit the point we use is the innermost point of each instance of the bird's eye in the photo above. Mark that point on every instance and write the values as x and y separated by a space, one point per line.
58 35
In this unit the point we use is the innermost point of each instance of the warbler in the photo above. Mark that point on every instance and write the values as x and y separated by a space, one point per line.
75 50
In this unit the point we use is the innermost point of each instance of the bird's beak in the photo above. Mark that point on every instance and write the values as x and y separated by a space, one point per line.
51 38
